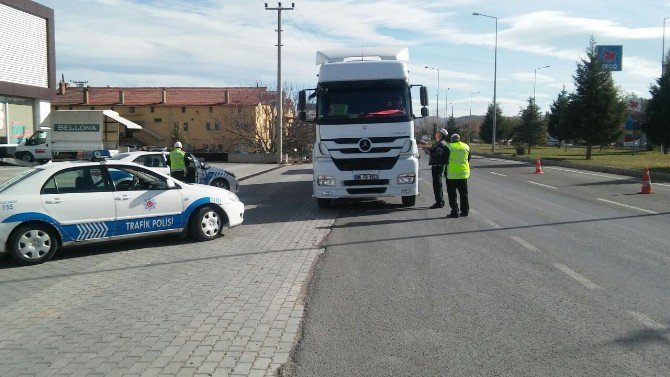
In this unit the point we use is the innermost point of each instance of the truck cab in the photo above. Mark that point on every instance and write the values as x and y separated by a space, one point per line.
365 144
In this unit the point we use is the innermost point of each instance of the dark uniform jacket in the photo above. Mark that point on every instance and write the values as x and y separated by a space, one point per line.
438 153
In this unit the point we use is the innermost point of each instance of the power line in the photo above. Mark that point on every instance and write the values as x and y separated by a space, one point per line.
310 27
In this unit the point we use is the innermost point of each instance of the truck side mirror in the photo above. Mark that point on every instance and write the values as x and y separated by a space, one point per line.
424 96
302 100
424 112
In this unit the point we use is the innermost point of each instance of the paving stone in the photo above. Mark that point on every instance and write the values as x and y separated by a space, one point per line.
150 306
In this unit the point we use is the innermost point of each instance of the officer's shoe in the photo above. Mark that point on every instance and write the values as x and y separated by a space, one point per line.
453 215
437 205
464 214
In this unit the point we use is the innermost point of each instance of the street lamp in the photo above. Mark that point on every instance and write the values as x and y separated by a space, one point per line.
663 57
495 80
535 79
437 103
446 103
470 124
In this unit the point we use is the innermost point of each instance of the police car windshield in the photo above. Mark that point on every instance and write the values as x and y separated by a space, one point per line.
17 178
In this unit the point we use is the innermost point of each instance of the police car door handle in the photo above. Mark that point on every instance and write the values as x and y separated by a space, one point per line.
53 201
122 198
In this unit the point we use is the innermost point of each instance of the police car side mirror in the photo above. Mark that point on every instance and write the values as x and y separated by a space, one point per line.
205 166
171 184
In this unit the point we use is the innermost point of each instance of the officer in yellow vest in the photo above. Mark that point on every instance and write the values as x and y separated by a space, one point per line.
177 162
458 172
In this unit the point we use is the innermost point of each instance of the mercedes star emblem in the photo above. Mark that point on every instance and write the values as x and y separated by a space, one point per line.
365 145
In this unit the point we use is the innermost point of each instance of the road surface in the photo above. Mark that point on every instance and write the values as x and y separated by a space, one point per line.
564 274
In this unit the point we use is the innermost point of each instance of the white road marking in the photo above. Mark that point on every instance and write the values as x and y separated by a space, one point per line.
543 185
582 280
507 161
647 321
492 223
525 244
474 211
502 175
627 206
585 173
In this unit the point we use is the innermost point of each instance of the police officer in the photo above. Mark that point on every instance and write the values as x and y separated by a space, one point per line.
177 162
458 171
437 159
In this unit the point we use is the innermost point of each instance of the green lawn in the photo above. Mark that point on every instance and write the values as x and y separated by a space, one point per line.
622 158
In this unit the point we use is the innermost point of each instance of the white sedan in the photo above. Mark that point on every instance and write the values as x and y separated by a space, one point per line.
204 174
64 203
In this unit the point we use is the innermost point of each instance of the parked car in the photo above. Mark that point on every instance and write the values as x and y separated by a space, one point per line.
64 203
204 174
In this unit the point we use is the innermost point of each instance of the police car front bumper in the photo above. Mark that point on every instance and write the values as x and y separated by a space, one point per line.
235 213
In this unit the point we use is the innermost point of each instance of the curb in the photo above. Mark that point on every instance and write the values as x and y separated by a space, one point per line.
655 176
259 173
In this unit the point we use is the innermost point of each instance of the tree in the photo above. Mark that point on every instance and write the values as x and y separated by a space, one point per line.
597 109
486 130
532 130
657 114
175 134
558 118
452 126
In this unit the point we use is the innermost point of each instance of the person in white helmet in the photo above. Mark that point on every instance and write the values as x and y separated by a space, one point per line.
177 162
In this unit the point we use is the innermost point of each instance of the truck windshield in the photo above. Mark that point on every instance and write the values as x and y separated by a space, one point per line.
364 102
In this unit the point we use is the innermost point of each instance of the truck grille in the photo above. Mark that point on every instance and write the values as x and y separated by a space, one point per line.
351 164
374 140
367 182
374 190
373 150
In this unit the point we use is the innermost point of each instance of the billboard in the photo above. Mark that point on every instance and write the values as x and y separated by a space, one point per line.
611 56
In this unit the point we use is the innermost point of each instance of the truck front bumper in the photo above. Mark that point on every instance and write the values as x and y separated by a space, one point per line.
386 184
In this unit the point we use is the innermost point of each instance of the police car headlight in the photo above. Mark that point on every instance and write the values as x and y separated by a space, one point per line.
408 178
325 180
233 197
407 147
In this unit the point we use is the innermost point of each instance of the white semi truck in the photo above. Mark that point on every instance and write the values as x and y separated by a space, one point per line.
64 133
365 144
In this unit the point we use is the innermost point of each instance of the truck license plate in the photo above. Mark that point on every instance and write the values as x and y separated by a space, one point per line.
366 177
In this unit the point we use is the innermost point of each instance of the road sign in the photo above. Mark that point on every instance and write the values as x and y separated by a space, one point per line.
611 56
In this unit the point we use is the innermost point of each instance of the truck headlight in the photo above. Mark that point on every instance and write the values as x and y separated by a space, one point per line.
325 180
323 150
407 178
407 147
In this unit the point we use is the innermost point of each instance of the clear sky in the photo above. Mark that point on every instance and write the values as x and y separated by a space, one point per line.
232 42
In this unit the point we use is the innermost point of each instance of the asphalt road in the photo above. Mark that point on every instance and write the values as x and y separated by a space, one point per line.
561 274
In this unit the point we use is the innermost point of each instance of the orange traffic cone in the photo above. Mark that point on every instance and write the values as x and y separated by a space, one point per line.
646 182
538 166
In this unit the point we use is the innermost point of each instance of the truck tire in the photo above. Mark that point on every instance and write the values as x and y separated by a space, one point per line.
324 202
32 243
409 201
25 156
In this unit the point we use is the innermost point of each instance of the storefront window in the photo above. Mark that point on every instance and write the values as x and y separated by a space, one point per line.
16 119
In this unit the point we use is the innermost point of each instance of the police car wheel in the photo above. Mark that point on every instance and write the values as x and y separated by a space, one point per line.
221 183
206 224
32 244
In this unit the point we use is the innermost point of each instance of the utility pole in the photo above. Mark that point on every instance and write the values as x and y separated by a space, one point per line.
535 79
280 95
437 97
663 55
446 104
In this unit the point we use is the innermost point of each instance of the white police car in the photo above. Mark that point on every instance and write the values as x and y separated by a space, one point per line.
204 174
64 203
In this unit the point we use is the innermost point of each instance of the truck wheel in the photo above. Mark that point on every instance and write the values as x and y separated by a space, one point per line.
409 201
206 224
323 202
25 156
32 244
221 183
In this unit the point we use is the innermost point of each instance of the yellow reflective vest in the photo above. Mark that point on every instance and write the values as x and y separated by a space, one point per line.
458 166
177 160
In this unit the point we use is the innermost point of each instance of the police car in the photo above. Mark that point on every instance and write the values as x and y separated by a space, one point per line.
204 174
64 203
